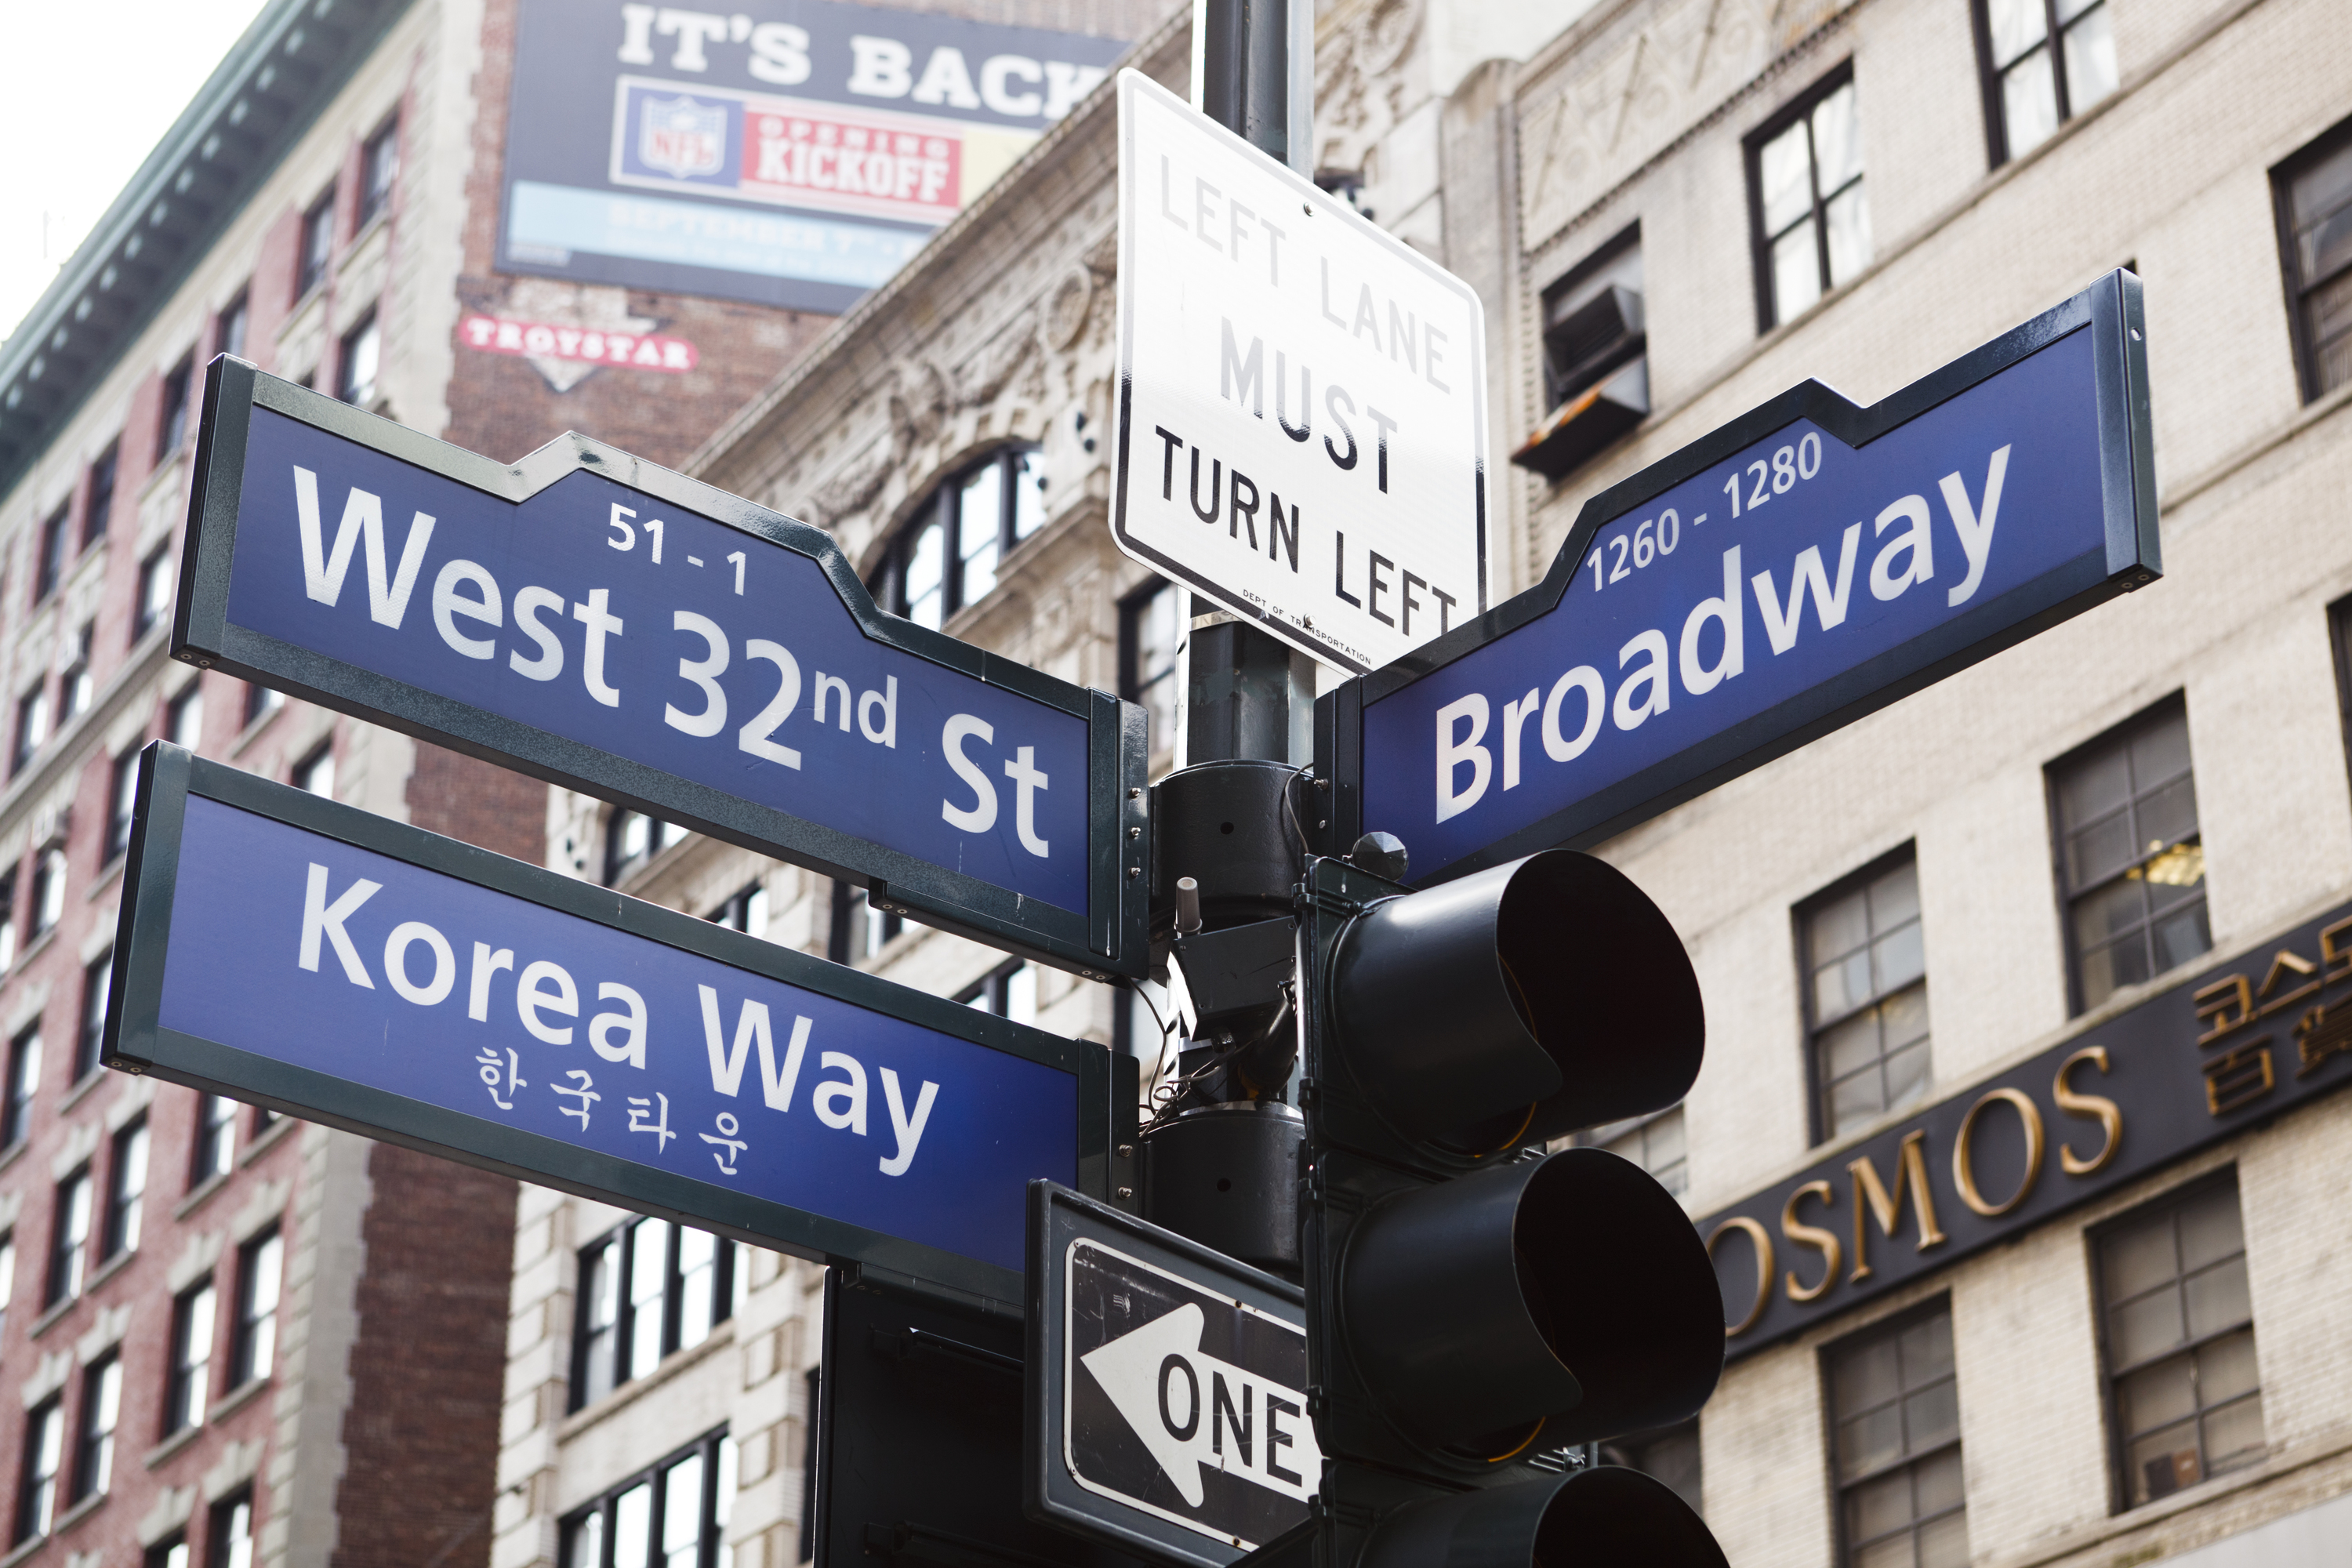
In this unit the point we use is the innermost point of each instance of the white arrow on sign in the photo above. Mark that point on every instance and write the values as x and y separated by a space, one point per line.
1195 1412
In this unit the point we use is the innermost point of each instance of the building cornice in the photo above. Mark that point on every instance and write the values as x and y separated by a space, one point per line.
265 95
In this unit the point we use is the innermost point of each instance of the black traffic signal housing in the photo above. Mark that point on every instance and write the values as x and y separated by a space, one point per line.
1472 1301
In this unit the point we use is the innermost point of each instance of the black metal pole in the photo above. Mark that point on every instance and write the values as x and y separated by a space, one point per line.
1221 1157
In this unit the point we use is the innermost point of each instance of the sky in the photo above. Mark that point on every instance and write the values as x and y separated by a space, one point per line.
80 108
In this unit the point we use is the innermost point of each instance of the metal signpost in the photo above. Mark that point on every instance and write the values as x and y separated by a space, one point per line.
1804 565
1167 1403
292 951
614 627
1302 426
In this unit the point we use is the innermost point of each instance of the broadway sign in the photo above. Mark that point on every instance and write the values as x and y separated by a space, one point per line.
614 627
291 952
1806 564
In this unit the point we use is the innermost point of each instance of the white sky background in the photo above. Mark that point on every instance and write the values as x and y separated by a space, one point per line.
80 108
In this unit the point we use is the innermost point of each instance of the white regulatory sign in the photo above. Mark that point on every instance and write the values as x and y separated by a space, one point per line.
1302 423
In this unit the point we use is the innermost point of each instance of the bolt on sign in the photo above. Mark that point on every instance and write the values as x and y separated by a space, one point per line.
1806 564
299 953
1302 426
614 627
1167 1403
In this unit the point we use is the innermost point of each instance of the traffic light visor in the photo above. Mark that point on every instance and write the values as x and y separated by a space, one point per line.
1548 1302
1605 1518
1517 1004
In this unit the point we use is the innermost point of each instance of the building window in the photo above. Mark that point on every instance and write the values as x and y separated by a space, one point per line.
190 1382
671 1516
317 248
101 1408
184 721
1867 996
23 1078
1895 1403
97 979
44 1451
859 930
255 1340
2180 1327
2314 191
379 166
77 686
32 726
260 703
746 911
171 1552
215 1144
946 555
2045 62
1811 214
1670 1456
68 1238
122 804
49 561
1010 991
97 509
1595 359
1151 628
630 840
49 890
2131 866
228 327
1653 1142
229 1543
356 368
8 1276
179 393
646 1288
315 775
264 1118
157 586
126 1190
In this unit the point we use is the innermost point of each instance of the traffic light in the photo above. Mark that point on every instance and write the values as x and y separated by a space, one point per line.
1473 1303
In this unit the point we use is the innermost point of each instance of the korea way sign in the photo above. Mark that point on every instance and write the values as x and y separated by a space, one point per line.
281 948
1804 565
1166 1388
1302 425
618 628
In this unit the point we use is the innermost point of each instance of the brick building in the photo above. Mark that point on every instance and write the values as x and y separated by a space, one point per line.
1674 209
241 1340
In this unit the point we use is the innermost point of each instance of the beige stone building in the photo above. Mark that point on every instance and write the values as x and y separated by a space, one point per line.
1674 209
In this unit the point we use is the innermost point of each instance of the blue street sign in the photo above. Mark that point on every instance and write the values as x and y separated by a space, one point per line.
663 644
285 949
1804 565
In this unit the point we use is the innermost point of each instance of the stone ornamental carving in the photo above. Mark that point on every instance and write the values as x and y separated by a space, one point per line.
1581 134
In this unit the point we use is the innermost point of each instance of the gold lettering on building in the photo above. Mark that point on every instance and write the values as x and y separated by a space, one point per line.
2236 1079
1964 1175
1871 1197
2324 1032
1762 1241
1824 1242
2074 1102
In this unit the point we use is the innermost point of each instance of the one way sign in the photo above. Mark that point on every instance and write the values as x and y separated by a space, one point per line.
1166 1411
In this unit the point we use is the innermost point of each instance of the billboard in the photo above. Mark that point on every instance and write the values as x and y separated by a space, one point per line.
795 152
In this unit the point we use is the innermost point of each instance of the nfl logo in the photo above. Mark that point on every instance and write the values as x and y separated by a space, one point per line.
682 138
